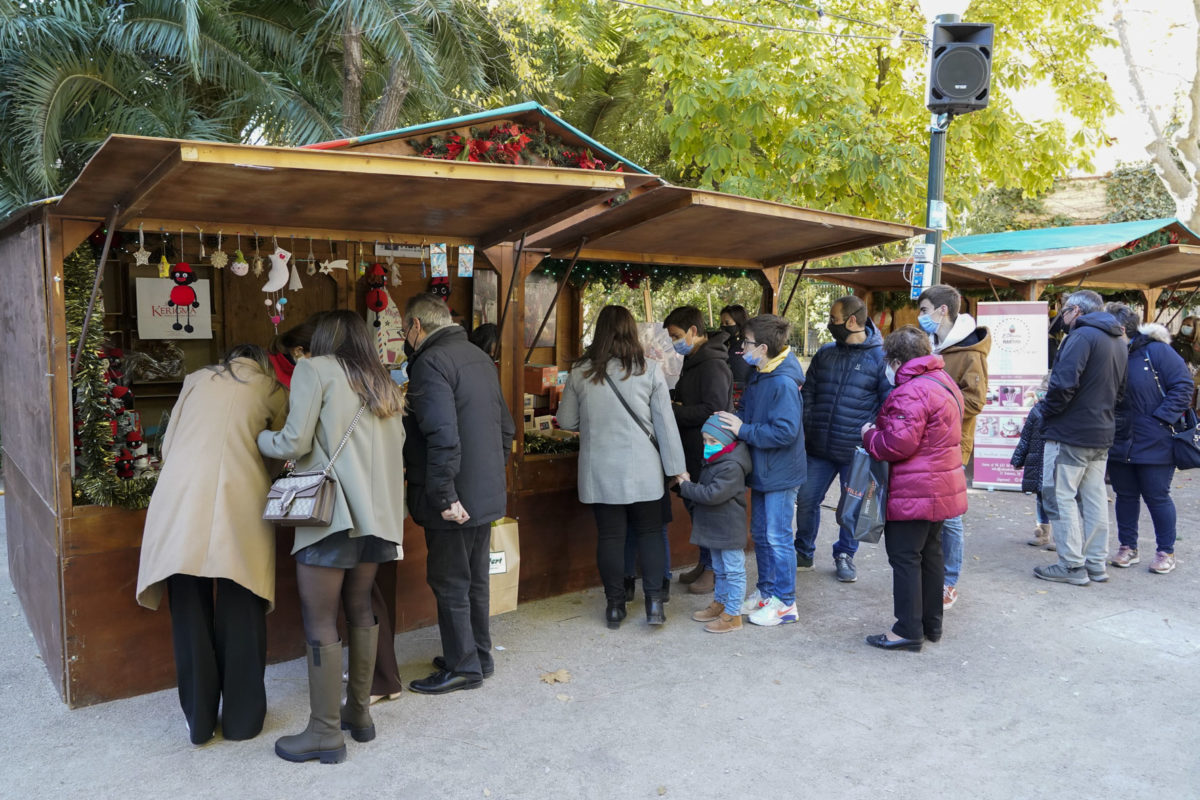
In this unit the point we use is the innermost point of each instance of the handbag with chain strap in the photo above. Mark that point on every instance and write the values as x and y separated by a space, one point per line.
307 499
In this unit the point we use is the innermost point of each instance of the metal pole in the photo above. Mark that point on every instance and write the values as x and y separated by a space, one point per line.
936 190
554 303
1186 303
799 276
87 317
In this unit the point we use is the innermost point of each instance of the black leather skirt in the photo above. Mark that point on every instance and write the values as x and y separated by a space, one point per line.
342 551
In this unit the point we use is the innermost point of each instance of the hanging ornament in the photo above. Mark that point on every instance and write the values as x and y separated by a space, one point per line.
312 260
441 288
164 267
183 296
277 278
141 256
466 261
395 269
239 267
258 263
294 285
377 296
219 258
201 237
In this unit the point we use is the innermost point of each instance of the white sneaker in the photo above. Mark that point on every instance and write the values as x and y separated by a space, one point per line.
753 602
774 613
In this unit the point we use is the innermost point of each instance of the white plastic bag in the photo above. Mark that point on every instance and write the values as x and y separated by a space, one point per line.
656 344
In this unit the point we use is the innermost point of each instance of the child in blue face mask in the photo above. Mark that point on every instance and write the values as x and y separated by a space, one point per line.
719 522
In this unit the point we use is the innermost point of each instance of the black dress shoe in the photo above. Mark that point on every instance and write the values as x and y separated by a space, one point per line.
440 663
880 640
629 584
931 636
666 587
655 615
444 682
614 614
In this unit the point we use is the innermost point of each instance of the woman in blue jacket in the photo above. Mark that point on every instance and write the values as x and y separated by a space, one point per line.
1141 463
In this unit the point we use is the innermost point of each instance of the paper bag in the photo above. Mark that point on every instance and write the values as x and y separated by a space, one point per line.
505 569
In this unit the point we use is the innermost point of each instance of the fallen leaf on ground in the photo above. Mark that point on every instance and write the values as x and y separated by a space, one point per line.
563 697
662 790
558 676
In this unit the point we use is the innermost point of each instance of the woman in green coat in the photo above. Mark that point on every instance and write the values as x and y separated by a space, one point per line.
337 563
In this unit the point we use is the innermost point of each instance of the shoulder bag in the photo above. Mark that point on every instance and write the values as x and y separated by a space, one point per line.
1185 443
306 499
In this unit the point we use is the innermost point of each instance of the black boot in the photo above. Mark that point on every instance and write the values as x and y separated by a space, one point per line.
614 614
655 615
629 584
666 590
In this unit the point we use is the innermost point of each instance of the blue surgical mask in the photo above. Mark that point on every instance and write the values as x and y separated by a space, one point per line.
711 450
927 324
753 359
1186 331
891 374
681 346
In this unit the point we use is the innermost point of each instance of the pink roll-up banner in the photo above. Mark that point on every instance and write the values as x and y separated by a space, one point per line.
1016 366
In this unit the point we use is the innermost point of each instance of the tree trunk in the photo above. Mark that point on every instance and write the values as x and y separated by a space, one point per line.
387 114
352 78
1175 160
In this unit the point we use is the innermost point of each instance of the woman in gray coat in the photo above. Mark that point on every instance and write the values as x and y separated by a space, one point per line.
620 404
343 380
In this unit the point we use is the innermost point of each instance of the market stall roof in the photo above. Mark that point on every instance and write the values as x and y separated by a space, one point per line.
894 276
1162 267
675 225
276 190
530 114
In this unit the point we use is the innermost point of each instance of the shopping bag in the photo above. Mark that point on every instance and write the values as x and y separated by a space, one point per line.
505 567
863 506
1186 442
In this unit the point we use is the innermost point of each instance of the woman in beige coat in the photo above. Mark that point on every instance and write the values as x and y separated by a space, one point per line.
204 526
338 562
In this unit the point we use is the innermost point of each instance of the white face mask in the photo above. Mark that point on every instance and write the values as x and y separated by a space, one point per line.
891 374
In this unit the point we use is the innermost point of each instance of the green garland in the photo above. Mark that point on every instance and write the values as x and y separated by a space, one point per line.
96 481
610 274
536 444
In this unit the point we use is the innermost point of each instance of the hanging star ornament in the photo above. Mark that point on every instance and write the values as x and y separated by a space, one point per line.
329 266
141 256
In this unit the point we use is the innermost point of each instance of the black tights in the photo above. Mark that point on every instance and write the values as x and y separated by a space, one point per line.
320 588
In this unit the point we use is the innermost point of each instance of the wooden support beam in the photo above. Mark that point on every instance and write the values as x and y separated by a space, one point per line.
545 215
1151 296
136 200
245 227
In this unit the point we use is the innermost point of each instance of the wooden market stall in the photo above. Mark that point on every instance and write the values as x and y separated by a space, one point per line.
74 565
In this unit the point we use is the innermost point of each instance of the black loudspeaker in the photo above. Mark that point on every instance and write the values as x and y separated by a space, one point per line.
960 68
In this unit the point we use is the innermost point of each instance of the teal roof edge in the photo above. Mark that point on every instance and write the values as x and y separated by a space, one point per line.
519 108
1116 233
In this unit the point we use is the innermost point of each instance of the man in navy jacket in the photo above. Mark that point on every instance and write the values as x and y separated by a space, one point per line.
1087 382
847 383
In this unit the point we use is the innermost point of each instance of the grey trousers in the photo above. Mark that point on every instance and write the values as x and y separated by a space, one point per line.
1077 504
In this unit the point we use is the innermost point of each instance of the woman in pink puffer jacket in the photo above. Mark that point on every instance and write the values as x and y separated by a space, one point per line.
919 432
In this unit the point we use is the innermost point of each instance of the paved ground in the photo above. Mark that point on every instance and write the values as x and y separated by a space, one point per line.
1037 690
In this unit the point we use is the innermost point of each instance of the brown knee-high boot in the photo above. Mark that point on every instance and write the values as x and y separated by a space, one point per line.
323 737
356 714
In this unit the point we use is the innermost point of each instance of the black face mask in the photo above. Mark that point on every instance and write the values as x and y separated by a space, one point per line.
839 330
732 330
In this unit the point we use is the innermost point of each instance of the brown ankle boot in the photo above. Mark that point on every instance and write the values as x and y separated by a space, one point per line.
1041 535
703 584
356 713
323 737
724 624
709 613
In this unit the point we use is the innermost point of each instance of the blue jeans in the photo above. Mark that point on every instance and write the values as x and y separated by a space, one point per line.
1042 518
1134 483
952 548
631 549
774 542
729 572
808 508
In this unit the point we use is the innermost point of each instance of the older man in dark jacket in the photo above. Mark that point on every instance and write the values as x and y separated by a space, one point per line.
459 434
1086 384
847 383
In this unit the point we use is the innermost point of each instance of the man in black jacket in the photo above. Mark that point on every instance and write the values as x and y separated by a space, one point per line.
705 387
1079 409
459 433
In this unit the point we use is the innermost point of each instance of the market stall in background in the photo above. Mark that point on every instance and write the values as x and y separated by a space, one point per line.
203 245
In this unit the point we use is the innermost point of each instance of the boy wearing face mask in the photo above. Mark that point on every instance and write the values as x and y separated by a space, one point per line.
846 386
964 347
705 387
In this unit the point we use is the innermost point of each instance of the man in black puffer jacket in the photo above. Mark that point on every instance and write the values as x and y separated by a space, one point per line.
847 383
1086 384
459 433
705 387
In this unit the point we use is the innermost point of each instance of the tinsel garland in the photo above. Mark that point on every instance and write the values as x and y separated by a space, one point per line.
96 481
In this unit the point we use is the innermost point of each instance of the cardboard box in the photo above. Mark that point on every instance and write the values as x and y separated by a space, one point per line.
540 378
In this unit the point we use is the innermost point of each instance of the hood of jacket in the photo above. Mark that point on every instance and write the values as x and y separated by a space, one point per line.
740 453
965 335
788 368
1103 321
715 349
1150 332
874 338
918 366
